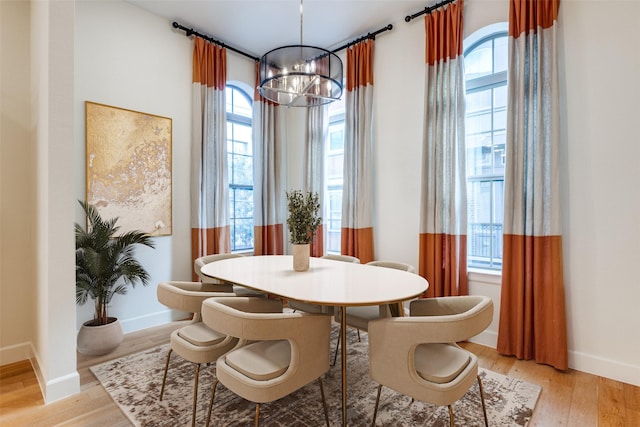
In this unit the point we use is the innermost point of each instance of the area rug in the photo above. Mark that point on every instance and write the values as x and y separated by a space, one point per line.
134 383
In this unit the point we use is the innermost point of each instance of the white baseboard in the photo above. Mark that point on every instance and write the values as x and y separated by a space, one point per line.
594 365
52 390
16 353
615 370
487 338
150 320
61 387
56 388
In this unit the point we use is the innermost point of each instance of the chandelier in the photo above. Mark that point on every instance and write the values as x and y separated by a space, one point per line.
300 75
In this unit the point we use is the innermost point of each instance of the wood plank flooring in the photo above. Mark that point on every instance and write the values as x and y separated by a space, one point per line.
568 399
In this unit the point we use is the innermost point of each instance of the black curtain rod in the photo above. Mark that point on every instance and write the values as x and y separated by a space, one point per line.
368 36
191 32
427 10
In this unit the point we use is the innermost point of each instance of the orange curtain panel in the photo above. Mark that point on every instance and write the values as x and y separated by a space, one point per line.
532 307
443 202
210 231
268 177
357 203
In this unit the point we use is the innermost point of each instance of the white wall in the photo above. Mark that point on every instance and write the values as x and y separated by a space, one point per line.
52 128
17 216
598 66
600 142
37 307
128 58
599 70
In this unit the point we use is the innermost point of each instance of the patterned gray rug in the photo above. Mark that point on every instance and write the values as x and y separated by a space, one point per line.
134 384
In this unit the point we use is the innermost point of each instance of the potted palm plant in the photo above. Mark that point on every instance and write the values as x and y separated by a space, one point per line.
105 266
303 222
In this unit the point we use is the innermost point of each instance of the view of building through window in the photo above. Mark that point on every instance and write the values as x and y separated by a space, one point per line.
240 162
485 65
334 155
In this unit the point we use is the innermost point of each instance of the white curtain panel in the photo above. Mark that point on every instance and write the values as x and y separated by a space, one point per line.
209 169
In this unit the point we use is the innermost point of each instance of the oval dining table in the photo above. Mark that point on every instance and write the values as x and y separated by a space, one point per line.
326 282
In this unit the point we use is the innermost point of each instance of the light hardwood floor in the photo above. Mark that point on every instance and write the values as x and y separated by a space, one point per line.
568 399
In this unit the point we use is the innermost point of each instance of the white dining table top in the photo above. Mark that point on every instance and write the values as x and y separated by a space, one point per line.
327 282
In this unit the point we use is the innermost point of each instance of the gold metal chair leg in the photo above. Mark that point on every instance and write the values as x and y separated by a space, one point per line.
375 410
484 407
451 422
164 377
195 395
335 353
213 393
257 414
324 402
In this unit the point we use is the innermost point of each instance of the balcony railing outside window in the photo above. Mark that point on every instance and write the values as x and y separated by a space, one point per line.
484 245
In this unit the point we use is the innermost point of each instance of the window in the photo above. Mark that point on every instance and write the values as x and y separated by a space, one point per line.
485 63
334 155
240 161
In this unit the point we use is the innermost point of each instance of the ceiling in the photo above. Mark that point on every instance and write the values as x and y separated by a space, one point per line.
257 26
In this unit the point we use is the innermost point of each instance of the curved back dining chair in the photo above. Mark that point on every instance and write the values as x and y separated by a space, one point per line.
213 284
195 342
289 350
359 317
218 285
427 364
317 308
343 258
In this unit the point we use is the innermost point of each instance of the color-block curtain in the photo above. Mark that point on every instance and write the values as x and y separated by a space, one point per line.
443 206
210 231
316 135
268 178
357 203
532 306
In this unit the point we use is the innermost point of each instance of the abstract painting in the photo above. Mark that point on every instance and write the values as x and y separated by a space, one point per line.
128 168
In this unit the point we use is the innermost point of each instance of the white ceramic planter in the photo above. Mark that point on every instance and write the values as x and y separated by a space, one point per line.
99 340
301 257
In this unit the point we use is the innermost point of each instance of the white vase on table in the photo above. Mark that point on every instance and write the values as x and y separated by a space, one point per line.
301 257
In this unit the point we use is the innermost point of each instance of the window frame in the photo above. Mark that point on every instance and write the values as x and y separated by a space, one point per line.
336 117
492 272
241 120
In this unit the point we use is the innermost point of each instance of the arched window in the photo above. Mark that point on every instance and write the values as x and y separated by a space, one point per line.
485 62
240 157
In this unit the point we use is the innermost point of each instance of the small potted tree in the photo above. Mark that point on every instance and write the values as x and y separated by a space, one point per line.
105 266
303 222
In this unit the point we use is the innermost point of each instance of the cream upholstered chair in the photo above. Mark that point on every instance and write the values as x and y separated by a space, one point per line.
418 355
317 308
194 342
360 316
217 285
343 258
290 349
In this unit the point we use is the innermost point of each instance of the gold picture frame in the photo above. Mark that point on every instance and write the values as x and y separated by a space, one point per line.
128 168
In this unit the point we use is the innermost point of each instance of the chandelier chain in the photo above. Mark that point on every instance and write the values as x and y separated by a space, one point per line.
301 20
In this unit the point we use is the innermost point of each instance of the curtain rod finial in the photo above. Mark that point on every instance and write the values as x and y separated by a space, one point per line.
407 18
